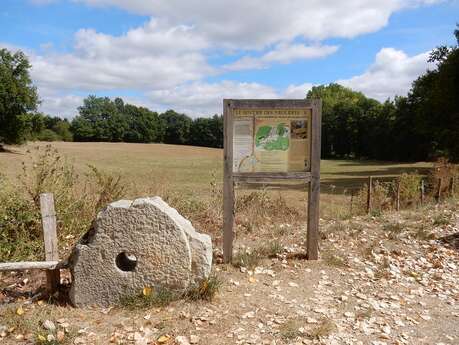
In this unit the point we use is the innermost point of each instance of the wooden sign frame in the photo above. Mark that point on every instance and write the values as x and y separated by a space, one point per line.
301 179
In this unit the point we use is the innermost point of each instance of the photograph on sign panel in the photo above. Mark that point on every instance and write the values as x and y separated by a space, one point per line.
299 145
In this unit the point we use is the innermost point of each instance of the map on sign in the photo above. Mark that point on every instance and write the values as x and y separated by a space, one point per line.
271 140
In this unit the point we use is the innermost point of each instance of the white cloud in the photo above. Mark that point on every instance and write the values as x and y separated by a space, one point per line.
148 57
391 74
203 99
283 53
260 23
60 105
297 91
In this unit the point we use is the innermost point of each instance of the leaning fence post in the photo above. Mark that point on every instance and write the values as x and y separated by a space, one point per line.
352 201
48 216
422 191
370 189
451 187
439 189
397 205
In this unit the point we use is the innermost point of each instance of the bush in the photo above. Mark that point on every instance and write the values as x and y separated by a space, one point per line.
410 188
77 199
48 135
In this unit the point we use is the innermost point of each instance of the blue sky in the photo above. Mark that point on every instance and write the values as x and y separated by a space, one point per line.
188 55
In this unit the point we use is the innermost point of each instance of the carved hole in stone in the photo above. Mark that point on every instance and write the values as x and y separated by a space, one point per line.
126 262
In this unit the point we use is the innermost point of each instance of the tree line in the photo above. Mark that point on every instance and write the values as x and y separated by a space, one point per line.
103 119
424 125
420 126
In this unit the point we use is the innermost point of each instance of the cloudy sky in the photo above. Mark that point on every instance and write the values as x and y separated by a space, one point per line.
190 54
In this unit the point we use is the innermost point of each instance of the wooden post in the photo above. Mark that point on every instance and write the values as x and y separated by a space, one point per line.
451 187
398 195
314 184
369 192
422 191
48 216
439 189
228 183
352 201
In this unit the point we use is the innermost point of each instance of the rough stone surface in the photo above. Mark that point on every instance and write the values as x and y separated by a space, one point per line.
161 249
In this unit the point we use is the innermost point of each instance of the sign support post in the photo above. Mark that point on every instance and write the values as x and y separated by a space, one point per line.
272 143
314 185
228 183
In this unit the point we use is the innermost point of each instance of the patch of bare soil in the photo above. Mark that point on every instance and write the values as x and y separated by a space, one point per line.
391 279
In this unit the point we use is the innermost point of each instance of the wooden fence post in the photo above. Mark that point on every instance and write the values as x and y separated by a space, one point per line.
397 205
48 216
422 191
439 189
352 201
370 191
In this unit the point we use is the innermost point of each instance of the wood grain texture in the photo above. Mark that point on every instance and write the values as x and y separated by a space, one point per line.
228 185
369 193
48 216
300 175
314 186
32 265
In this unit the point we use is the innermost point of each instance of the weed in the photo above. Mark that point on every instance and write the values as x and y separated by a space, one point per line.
441 219
338 228
246 258
160 297
367 251
422 233
290 330
324 329
334 260
364 314
271 250
393 229
108 187
257 207
409 189
206 290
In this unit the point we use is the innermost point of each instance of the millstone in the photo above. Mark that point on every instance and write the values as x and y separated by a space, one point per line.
137 244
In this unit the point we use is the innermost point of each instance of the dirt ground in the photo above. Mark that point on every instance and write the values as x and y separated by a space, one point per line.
391 279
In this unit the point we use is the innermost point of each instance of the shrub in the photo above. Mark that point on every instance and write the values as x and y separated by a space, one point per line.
48 135
410 186
77 200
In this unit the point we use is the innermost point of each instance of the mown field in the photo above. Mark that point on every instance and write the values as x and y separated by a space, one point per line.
158 168
188 167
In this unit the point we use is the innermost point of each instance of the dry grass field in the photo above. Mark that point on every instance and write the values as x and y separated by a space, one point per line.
160 168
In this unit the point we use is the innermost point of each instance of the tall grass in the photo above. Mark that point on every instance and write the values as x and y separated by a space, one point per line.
77 200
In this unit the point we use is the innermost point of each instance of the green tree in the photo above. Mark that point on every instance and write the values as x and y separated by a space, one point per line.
177 127
144 125
18 96
429 116
99 119
345 115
